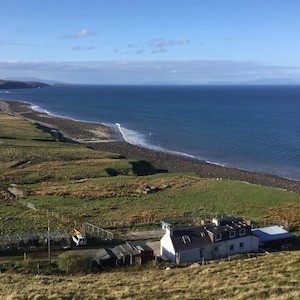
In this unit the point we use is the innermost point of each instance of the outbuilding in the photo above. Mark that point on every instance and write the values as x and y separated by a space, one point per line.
133 252
273 236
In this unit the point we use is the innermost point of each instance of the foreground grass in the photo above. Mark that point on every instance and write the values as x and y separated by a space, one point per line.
273 276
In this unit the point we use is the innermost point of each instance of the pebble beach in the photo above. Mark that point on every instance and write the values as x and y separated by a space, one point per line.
103 138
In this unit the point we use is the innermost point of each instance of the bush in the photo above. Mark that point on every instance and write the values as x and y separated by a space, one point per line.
74 263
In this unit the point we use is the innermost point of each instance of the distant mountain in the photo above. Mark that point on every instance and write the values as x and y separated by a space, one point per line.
14 84
260 81
35 79
275 81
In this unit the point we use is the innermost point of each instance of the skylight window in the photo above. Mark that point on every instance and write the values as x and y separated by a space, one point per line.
203 234
186 239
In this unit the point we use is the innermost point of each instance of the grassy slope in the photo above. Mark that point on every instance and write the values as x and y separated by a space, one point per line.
274 276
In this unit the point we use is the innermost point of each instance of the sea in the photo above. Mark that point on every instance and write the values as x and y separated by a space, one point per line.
254 128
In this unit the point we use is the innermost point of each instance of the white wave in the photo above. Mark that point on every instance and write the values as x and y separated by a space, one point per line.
136 138
39 109
132 136
183 154
216 163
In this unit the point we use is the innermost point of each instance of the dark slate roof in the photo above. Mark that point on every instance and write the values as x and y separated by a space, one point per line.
231 221
228 223
197 238
217 229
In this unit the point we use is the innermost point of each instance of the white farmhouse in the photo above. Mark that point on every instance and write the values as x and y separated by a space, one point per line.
216 239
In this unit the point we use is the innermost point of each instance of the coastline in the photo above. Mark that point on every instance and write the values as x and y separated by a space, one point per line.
103 138
63 128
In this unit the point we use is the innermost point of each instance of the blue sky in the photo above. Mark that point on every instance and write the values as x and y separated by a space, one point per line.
157 41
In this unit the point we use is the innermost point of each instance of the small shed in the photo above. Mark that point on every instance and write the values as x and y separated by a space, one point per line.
133 252
146 253
126 256
105 258
273 236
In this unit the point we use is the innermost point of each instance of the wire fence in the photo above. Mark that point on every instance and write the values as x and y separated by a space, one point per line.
94 230
36 239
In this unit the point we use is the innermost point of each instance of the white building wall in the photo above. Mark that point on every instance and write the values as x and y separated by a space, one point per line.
188 256
166 246
244 244
195 255
219 250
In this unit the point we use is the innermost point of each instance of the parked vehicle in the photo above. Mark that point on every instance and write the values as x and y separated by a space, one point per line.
79 238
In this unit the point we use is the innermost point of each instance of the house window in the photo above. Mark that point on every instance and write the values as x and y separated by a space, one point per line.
186 239
242 245
231 247
218 237
232 234
242 231
216 248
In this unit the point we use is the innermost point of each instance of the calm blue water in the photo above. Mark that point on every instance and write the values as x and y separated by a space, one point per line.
255 128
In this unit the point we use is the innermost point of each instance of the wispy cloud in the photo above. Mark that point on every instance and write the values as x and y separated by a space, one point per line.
161 45
12 43
157 45
80 34
80 48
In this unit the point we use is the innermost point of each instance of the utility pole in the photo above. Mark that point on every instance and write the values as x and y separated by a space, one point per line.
49 244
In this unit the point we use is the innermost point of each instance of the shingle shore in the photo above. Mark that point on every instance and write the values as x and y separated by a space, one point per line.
104 138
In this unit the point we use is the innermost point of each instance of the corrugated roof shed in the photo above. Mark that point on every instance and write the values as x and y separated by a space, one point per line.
272 234
139 245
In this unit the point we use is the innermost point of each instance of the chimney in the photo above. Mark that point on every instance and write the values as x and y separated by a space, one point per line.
170 229
216 221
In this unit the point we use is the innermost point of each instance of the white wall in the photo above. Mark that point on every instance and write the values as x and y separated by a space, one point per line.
166 246
250 244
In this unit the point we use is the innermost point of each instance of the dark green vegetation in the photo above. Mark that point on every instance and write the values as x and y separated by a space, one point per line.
14 84
80 184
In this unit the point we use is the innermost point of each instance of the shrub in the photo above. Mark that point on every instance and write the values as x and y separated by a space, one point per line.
74 263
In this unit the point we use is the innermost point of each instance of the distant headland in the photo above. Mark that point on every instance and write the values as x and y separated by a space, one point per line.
15 84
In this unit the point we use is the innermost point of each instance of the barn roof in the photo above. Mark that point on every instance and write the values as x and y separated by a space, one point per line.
272 233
